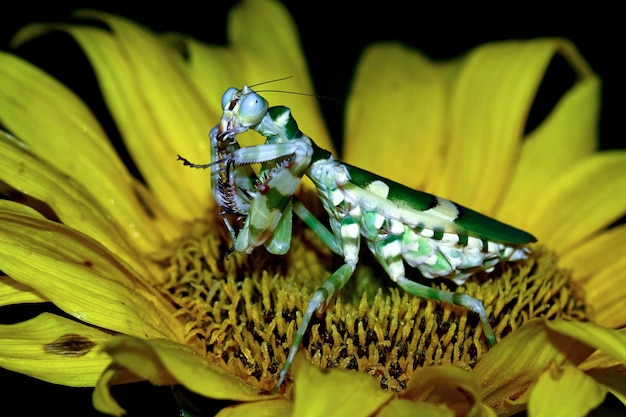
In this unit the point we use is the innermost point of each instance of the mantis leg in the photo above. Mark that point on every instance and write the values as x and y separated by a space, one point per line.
350 242
298 151
320 230
462 300
268 220
388 253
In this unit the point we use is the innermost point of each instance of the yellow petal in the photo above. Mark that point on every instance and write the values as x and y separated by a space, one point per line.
13 292
395 115
71 202
102 399
406 408
567 135
600 360
489 101
510 368
566 392
335 392
20 209
271 408
614 382
449 385
610 341
266 39
54 349
222 63
156 108
245 61
164 362
55 261
53 124
595 253
580 202
598 269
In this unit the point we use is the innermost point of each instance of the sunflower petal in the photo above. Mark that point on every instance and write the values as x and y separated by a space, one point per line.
393 81
333 392
272 408
275 47
448 385
54 349
579 203
14 292
64 129
595 253
566 136
490 99
598 268
55 261
223 63
102 398
600 361
151 99
406 408
164 362
552 393
614 382
610 341
510 368
70 201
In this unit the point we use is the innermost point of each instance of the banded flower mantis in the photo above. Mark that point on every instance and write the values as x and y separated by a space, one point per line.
400 226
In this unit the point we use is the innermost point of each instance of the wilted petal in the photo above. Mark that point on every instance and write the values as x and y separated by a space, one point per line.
54 349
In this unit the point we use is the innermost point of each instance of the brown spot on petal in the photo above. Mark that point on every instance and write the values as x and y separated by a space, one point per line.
69 345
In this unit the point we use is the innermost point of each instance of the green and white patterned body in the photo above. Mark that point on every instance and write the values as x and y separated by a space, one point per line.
400 226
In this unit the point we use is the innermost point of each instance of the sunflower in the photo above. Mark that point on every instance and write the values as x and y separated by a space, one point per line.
135 268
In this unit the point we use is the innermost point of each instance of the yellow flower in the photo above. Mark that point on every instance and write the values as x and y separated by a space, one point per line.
136 268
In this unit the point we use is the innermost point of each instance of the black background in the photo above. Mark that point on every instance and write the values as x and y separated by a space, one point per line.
333 35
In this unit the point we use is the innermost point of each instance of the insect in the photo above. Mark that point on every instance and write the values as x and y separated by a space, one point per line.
400 226
235 186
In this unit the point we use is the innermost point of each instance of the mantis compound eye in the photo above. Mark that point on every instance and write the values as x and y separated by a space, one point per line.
252 109
229 95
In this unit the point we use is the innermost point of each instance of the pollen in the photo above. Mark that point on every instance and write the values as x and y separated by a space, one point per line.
242 312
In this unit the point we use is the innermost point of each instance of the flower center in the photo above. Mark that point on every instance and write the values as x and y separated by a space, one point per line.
243 311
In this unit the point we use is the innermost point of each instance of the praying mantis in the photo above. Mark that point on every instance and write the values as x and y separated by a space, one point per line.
400 226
